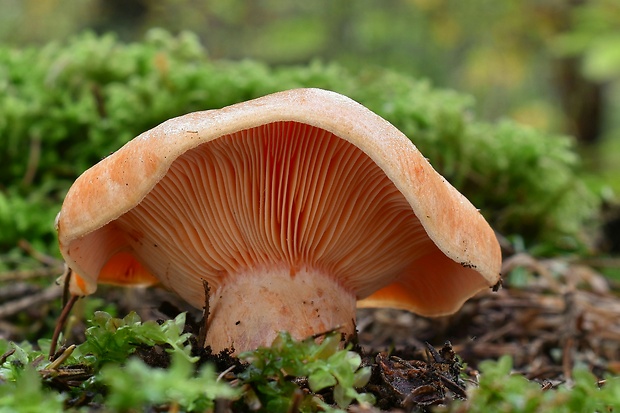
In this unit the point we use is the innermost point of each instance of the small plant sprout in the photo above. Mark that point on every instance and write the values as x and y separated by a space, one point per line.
291 207
272 370
136 384
112 339
502 390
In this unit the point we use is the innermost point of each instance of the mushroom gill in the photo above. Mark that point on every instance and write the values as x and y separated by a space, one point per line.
281 198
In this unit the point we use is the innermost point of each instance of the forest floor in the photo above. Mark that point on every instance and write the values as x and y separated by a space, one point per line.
561 314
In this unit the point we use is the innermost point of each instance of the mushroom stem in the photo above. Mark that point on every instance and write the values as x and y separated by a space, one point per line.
249 311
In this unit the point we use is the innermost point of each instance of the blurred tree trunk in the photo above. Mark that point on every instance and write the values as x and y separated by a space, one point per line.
121 16
582 100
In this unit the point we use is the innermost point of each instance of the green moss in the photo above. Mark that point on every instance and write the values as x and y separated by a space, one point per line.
500 390
119 381
65 106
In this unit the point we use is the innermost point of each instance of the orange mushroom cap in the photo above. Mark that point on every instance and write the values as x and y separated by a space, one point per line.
300 185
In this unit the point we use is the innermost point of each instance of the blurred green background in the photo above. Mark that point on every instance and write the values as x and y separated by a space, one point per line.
553 65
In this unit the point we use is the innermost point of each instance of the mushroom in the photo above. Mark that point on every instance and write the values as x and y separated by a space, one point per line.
292 207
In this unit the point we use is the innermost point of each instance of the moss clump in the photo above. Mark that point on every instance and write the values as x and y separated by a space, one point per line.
64 106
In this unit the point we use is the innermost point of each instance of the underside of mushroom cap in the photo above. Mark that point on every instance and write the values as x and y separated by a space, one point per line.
304 179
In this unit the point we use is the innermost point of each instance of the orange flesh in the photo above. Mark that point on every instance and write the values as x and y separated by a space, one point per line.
124 269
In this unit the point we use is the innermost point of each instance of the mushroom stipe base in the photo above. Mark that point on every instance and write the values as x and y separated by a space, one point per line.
246 310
